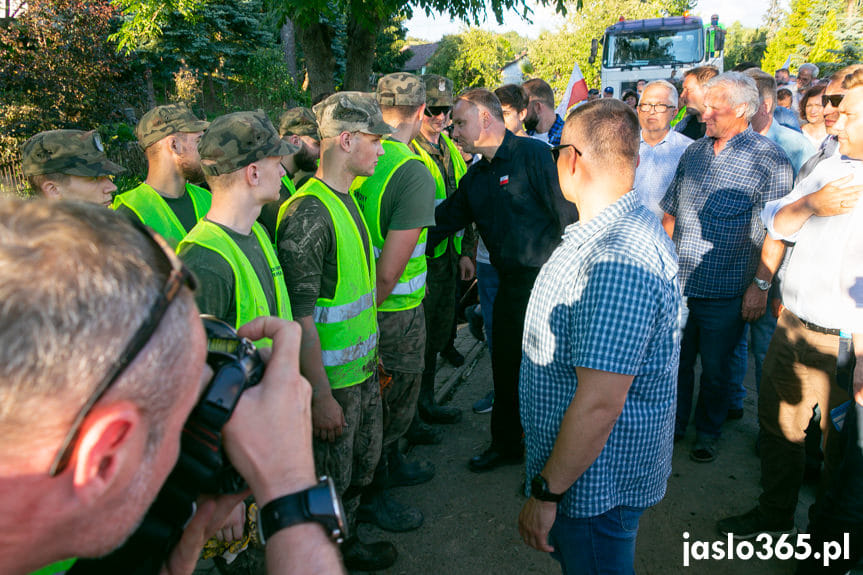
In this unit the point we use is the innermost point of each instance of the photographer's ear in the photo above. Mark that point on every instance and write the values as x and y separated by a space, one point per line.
110 450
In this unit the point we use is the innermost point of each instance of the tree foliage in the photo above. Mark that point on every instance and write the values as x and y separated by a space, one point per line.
389 53
553 53
744 45
59 70
826 32
472 59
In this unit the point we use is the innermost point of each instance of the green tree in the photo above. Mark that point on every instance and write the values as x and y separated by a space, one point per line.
389 53
744 45
472 59
59 70
827 47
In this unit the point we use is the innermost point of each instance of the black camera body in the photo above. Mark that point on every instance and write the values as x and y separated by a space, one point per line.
202 467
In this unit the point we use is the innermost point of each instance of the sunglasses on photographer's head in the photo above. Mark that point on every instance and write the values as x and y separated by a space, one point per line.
833 99
178 277
432 111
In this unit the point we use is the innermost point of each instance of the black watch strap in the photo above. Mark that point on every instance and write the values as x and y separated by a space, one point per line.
539 490
283 512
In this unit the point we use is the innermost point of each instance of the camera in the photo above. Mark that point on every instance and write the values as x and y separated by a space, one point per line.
202 467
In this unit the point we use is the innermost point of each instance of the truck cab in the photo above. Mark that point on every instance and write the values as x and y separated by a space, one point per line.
657 48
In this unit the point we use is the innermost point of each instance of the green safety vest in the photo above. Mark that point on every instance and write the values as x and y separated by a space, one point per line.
460 168
57 568
347 324
153 210
289 183
249 294
410 289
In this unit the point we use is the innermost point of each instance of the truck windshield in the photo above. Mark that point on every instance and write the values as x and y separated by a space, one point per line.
653 48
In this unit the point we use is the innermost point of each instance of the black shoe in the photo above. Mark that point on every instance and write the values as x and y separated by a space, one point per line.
753 523
421 433
452 355
704 451
491 458
734 413
474 322
484 405
403 472
434 413
359 556
388 514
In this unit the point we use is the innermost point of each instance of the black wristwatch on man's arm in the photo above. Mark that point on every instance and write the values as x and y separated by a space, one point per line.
319 504
539 490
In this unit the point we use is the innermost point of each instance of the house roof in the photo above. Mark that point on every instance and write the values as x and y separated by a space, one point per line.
422 53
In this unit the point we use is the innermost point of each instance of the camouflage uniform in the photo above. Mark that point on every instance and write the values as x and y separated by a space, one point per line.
70 152
307 251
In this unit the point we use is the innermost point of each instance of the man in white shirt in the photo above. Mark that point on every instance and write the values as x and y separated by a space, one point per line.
661 147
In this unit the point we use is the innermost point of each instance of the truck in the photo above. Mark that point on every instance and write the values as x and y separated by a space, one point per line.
657 48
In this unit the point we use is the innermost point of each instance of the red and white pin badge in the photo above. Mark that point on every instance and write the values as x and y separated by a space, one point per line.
504 180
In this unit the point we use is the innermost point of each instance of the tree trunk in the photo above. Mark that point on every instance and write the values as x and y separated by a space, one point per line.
317 42
289 48
360 55
151 90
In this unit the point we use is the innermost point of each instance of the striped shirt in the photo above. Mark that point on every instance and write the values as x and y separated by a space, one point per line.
607 299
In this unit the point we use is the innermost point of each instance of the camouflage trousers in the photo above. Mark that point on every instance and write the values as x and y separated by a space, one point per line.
352 458
439 305
402 346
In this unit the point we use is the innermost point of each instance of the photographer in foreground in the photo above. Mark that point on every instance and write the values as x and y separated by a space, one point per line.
103 358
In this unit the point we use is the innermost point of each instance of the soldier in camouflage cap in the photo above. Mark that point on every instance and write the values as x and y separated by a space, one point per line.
69 164
298 127
234 141
163 121
438 91
170 200
400 89
350 112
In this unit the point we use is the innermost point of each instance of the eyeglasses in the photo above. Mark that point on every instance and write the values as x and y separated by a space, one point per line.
660 108
555 151
178 277
833 99
432 111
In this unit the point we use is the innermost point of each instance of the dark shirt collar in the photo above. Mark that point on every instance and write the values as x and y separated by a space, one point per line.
504 151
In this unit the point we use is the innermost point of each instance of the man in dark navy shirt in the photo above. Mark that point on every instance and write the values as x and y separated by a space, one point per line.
514 197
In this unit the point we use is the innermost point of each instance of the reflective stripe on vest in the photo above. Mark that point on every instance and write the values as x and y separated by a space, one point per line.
153 210
409 291
249 295
347 324
460 168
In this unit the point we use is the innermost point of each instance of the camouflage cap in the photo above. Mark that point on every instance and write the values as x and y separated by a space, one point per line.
299 122
400 89
234 141
438 90
350 112
162 121
72 152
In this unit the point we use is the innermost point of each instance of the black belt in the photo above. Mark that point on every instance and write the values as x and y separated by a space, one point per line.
817 328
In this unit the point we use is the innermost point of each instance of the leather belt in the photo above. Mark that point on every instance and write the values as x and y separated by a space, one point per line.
817 328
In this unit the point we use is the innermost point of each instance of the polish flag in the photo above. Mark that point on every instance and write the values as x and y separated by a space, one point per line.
576 91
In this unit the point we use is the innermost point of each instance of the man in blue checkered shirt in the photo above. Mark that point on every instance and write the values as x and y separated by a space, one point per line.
600 354
542 122
713 209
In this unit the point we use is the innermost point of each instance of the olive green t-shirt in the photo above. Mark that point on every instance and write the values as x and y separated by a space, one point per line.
408 200
307 251
216 293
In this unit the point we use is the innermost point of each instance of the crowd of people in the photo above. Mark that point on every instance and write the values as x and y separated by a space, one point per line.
613 249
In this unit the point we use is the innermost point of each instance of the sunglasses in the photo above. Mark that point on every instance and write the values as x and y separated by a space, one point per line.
555 151
178 277
432 111
833 99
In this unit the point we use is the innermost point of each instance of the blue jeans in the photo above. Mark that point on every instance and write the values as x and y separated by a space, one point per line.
713 329
756 336
604 544
487 281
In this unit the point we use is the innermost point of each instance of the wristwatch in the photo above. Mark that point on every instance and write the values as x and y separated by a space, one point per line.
320 504
763 285
539 490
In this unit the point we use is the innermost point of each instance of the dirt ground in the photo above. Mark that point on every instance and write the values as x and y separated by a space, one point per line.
470 519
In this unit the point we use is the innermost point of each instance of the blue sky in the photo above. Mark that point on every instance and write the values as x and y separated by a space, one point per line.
749 12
